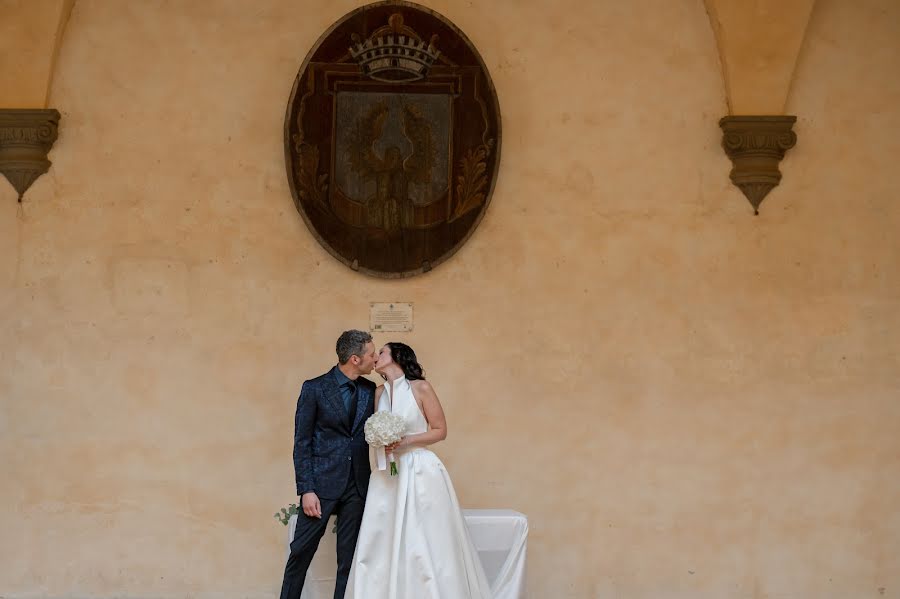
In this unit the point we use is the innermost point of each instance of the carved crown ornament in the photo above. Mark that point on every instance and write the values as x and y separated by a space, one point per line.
26 136
394 52
392 139
756 145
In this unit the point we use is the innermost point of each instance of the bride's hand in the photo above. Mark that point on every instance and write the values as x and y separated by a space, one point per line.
398 445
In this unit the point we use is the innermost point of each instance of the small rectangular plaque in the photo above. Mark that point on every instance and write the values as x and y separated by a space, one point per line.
396 317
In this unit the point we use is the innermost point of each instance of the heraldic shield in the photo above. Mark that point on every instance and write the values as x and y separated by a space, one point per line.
392 139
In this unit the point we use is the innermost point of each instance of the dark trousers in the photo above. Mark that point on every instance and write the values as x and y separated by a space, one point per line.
309 531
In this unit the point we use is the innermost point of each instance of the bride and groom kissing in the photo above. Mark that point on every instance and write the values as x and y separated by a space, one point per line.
398 537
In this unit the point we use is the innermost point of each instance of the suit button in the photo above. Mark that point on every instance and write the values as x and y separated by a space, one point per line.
349 459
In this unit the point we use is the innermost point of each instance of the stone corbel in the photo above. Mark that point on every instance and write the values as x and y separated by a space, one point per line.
26 136
756 144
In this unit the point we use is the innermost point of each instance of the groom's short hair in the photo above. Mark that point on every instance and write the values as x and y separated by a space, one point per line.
351 343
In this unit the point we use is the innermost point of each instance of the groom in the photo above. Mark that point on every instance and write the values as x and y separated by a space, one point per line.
331 459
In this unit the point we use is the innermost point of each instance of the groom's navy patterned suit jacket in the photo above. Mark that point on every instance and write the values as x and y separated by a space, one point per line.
327 446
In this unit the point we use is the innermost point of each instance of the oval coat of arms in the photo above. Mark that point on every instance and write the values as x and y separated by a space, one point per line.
392 139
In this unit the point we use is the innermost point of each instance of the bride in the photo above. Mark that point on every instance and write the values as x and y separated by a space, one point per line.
413 542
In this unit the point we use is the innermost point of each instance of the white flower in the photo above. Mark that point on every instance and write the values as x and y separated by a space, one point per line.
384 428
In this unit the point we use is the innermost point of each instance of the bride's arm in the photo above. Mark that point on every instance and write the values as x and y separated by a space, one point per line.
434 414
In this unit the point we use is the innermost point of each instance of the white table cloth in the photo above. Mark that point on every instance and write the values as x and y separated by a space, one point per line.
500 538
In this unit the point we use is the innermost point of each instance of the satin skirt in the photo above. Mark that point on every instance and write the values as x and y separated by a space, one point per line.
413 542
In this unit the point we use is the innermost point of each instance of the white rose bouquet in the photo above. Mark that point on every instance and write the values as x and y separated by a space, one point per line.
383 428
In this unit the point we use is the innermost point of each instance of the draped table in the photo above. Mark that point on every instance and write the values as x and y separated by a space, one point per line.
500 538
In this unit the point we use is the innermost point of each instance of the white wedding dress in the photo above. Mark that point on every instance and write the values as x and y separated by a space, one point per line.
413 542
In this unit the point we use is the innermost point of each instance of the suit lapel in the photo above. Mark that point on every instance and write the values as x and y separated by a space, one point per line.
333 396
362 400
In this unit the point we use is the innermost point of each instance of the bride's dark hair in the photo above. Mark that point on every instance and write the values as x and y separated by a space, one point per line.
405 358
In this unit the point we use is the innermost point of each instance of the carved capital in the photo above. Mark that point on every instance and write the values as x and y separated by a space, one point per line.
756 144
26 136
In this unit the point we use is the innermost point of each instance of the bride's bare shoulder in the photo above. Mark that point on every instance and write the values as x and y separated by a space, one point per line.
422 385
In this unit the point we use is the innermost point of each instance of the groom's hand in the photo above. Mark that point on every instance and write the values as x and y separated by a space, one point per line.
311 505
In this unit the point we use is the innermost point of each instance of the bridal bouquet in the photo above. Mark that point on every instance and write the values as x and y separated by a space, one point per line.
384 428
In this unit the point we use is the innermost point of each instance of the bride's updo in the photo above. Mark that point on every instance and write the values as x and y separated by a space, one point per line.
405 358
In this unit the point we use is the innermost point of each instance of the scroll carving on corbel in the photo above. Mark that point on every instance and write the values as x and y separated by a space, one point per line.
756 145
26 136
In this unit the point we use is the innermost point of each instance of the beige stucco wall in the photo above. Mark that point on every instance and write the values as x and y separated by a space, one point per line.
30 35
759 43
686 400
